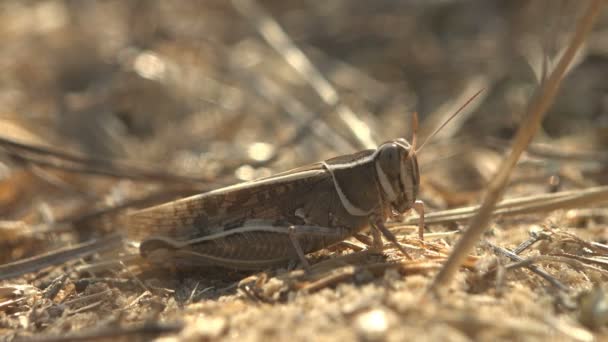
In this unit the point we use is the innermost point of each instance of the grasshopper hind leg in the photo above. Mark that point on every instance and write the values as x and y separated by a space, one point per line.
296 245
251 247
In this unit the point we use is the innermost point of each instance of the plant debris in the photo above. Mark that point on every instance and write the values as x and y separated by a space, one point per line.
113 106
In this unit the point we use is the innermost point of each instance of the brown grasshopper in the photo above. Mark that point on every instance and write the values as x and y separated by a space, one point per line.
269 221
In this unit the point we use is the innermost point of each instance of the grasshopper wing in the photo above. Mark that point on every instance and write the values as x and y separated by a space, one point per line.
270 198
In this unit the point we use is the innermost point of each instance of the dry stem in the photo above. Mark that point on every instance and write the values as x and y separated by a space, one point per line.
532 120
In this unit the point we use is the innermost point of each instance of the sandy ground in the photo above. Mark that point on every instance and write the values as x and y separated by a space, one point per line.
196 97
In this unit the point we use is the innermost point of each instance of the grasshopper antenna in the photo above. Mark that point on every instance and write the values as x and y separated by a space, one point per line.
414 131
415 128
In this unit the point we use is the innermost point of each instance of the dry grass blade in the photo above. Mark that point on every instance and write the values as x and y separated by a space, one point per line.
149 330
553 152
600 261
558 259
46 157
38 262
539 271
532 120
272 32
521 205
88 298
300 114
115 263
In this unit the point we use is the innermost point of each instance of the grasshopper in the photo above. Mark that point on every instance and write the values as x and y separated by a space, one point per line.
270 221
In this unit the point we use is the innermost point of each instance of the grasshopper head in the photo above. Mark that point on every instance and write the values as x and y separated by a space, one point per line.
397 173
397 167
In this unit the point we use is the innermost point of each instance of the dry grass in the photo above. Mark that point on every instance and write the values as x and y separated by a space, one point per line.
109 106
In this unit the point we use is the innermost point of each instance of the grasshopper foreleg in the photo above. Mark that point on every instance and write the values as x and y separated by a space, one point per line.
377 223
377 244
419 208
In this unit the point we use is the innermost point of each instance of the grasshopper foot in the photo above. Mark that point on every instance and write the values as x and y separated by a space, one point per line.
374 244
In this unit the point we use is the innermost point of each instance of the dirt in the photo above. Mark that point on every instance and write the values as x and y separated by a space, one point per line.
168 99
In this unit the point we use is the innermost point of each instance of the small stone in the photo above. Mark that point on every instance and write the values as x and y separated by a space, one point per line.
204 328
372 325
593 309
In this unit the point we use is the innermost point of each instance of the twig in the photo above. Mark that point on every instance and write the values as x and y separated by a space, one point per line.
556 259
600 246
534 238
38 262
555 152
532 120
47 157
136 300
85 308
539 271
134 277
121 283
565 236
597 261
276 37
520 205
56 285
117 262
303 116
11 302
90 297
149 329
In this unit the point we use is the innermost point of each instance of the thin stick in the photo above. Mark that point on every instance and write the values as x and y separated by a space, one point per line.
147 330
71 162
556 152
556 259
534 238
90 297
38 262
301 114
276 37
528 128
519 206
536 269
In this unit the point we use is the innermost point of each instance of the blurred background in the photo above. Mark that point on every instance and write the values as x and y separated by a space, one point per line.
220 92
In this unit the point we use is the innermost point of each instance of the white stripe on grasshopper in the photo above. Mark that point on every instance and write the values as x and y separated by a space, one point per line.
258 226
351 208
386 185
357 162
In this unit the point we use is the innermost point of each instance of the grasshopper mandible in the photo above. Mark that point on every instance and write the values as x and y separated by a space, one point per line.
270 221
